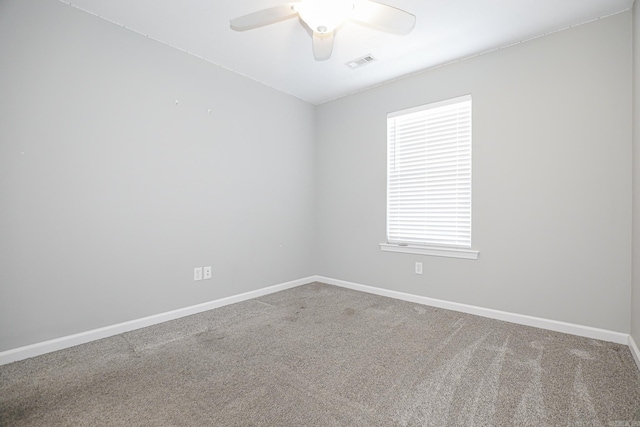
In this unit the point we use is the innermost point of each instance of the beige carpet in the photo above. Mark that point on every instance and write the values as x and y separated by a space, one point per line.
319 355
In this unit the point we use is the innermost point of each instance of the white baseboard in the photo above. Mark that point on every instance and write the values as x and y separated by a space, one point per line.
521 319
108 331
634 351
96 334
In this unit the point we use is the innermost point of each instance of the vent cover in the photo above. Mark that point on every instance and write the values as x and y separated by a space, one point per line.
360 62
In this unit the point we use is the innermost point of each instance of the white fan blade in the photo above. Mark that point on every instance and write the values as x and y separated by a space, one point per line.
383 17
264 17
322 45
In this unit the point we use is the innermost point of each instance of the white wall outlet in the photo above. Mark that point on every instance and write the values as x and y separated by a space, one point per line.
418 268
207 272
197 273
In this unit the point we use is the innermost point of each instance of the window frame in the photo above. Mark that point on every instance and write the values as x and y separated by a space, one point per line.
429 248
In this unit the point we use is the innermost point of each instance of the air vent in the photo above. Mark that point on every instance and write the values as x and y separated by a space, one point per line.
360 62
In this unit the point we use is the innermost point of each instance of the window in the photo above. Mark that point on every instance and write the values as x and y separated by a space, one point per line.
429 179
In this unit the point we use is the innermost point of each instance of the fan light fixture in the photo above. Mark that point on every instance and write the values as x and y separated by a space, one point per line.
324 16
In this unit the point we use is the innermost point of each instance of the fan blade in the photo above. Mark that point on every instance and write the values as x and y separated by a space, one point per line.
264 17
383 17
322 45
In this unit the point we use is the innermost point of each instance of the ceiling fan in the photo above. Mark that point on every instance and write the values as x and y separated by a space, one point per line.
324 17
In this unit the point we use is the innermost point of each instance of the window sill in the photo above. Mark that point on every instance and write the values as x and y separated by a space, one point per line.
431 250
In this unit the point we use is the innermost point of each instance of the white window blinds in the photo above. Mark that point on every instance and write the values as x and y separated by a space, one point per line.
429 174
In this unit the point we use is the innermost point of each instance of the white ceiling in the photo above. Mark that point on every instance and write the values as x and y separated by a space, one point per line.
280 55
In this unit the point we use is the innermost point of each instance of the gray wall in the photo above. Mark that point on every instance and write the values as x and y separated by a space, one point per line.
110 194
635 299
551 179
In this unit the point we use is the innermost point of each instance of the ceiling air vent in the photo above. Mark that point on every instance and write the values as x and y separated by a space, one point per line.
360 62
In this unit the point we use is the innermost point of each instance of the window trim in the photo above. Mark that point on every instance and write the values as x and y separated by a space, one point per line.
441 251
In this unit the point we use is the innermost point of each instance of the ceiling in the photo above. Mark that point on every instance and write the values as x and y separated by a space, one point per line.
280 55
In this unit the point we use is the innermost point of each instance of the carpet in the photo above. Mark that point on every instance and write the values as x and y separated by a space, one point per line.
320 355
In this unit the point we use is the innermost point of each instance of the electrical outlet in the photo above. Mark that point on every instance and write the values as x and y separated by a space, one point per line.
418 268
207 272
197 273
